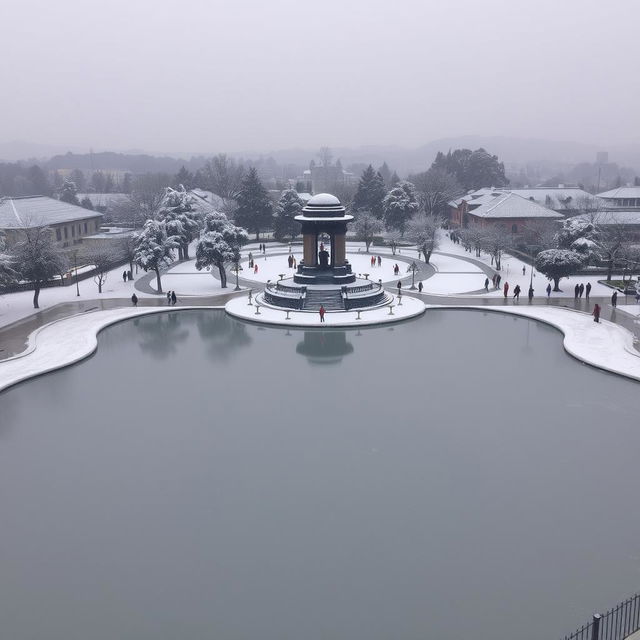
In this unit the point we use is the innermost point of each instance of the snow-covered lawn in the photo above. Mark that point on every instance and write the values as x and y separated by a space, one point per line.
447 264
453 283
196 283
270 267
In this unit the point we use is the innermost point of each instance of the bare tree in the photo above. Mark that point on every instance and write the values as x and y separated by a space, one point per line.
540 234
366 226
423 230
435 189
103 258
392 239
473 237
147 196
496 241
127 249
223 176
612 241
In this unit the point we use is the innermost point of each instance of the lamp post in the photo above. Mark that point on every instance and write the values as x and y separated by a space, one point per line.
237 268
75 266
413 267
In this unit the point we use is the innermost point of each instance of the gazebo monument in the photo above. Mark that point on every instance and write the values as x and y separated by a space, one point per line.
324 276
322 264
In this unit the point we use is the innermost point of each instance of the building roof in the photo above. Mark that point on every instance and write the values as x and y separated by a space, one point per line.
511 205
571 195
621 192
40 211
104 199
206 201
604 218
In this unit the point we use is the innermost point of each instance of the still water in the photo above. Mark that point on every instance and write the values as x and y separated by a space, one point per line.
455 476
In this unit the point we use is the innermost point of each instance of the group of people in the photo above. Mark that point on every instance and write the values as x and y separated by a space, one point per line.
262 247
376 260
127 275
580 289
396 269
171 297
292 261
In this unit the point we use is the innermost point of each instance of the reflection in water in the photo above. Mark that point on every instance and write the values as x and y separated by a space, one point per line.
324 347
221 334
160 333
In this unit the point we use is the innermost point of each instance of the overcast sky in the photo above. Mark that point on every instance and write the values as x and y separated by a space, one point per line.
241 75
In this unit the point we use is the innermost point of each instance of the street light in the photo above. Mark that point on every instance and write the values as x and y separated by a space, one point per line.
75 265
237 268
413 267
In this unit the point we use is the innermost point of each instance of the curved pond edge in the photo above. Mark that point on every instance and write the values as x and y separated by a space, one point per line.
604 345
64 342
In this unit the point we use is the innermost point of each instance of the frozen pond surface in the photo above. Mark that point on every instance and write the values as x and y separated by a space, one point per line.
456 476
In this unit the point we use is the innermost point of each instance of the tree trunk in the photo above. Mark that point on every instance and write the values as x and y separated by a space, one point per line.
158 280
223 276
185 251
131 266
36 295
368 243
99 284
427 255
609 269
556 284
257 235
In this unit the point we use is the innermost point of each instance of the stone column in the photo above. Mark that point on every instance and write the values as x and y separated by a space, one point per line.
339 249
309 253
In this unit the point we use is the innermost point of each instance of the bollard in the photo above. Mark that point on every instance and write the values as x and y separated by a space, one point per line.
358 318
595 629
250 303
257 309
390 310
288 318
400 300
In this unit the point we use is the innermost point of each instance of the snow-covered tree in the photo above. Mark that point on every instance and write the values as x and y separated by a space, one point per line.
573 229
154 248
556 264
219 245
423 230
69 192
127 250
8 274
370 194
184 178
37 258
181 217
366 226
289 206
86 203
473 237
254 209
399 205
392 239
612 241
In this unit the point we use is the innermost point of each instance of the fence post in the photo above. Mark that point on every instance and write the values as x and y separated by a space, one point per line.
595 629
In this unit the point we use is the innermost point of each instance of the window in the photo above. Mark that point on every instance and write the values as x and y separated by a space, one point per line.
96 225
66 233
73 230
85 227
58 235
514 228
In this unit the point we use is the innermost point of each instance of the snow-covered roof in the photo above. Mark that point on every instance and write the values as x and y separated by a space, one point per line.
40 211
511 205
604 218
207 201
324 200
621 192
104 199
556 194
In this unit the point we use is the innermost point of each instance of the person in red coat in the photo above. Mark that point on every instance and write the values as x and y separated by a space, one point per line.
506 289
322 312
596 313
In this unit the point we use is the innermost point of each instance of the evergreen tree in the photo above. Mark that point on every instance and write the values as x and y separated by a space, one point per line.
400 204
395 179
557 264
371 193
472 169
254 209
127 183
98 182
68 192
181 218
184 177
40 183
385 172
78 177
289 206
86 203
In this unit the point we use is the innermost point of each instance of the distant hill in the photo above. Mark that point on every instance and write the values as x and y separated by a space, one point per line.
108 160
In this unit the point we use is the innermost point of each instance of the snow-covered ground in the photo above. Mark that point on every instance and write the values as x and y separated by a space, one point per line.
511 272
409 308
271 267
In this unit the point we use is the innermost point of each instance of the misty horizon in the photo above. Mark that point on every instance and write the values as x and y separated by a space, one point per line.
200 77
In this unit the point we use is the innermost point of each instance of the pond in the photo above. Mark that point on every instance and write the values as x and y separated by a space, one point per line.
453 476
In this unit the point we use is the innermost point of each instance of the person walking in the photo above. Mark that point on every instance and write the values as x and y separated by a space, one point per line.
614 299
174 298
322 312
124 276
168 297
134 299
530 293
576 291
549 291
379 261
486 284
255 268
399 285
420 286
524 270
588 290
506 289
493 280
596 312
498 280
581 290
516 292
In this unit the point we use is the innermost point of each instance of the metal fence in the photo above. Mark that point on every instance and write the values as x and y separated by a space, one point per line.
616 624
